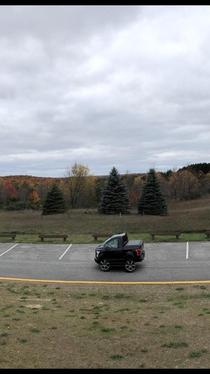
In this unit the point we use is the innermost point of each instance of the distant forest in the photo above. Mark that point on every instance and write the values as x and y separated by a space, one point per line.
83 190
203 168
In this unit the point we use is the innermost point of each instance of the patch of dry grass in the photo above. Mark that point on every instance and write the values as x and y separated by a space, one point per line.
49 325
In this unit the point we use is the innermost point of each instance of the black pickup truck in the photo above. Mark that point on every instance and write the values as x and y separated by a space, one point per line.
118 250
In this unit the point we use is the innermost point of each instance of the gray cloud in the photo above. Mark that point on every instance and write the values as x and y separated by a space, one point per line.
104 86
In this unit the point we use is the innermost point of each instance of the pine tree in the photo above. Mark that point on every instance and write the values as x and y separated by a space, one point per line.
54 202
152 201
114 198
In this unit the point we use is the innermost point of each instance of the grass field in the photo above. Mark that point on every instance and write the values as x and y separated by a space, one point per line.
192 218
60 325
47 325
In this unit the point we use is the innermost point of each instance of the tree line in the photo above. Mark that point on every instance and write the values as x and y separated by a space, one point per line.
80 189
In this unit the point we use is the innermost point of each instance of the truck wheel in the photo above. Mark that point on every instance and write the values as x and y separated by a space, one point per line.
104 265
130 265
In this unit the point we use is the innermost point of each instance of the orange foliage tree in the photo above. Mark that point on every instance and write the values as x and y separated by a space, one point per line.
9 190
34 201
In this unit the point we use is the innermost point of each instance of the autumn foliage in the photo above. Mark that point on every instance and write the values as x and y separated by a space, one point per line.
34 201
82 190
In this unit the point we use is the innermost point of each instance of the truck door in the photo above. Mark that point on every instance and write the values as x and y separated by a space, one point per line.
114 251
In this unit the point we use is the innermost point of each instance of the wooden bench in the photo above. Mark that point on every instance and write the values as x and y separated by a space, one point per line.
95 236
207 233
165 233
42 237
8 236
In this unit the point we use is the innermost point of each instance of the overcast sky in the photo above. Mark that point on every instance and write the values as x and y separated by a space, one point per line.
103 86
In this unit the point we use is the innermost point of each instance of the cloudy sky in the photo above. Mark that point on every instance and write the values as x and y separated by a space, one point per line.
103 86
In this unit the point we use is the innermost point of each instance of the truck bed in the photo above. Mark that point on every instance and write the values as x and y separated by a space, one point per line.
133 244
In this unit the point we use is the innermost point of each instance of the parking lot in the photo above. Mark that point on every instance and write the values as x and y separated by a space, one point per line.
164 262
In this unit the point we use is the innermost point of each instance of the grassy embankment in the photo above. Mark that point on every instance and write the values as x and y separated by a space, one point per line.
192 218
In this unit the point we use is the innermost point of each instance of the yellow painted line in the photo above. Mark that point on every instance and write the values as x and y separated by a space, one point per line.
101 282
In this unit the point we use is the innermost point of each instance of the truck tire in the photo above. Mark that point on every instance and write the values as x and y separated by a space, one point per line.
104 265
130 265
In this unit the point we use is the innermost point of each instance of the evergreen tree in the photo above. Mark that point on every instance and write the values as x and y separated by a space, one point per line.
54 202
152 201
114 198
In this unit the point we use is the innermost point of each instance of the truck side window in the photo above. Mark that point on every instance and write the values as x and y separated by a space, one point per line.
113 243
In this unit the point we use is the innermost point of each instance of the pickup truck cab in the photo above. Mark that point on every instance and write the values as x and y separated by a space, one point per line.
118 250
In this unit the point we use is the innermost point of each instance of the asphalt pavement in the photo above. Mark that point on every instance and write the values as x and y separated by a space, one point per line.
164 262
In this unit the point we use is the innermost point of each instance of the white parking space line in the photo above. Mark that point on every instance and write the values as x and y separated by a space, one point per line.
65 251
187 250
8 250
